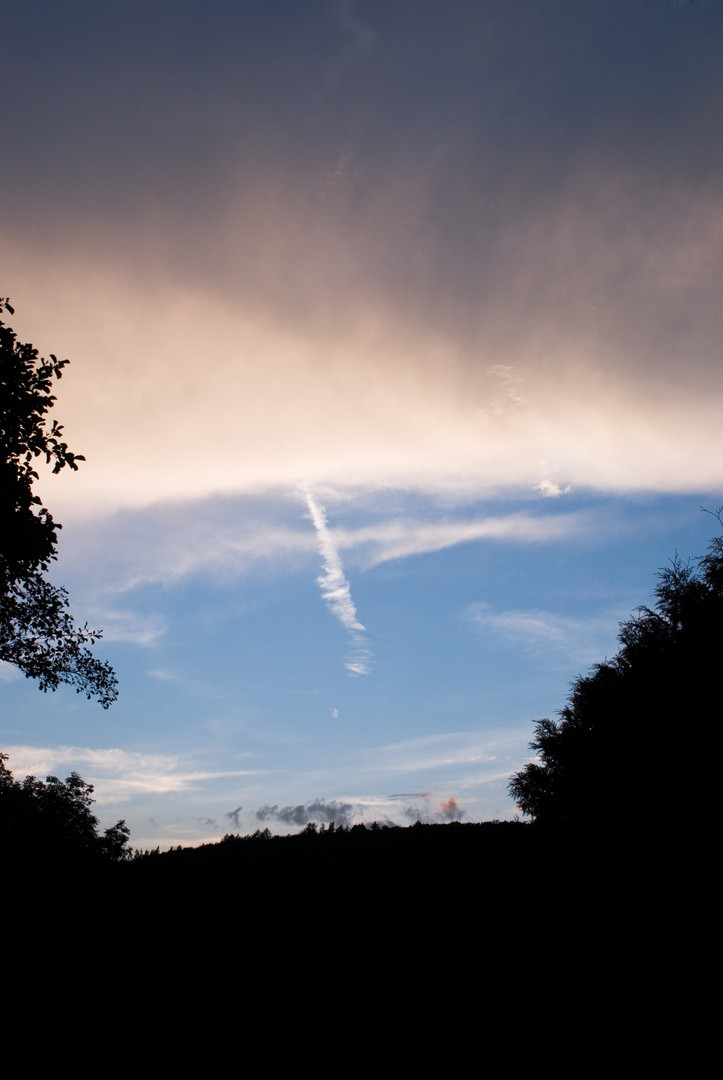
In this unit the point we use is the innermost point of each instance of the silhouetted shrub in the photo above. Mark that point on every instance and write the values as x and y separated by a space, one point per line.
609 756
49 824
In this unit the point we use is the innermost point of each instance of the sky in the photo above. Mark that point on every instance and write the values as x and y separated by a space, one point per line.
394 332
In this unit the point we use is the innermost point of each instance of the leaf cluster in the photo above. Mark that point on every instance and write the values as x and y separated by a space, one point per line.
37 633
25 399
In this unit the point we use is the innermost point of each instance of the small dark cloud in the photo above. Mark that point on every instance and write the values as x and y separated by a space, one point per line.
319 810
445 810
209 822
233 816
451 810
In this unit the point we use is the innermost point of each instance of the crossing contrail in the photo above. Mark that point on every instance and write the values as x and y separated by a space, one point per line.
335 588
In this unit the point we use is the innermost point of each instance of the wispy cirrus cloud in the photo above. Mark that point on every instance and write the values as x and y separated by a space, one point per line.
335 588
476 752
128 626
218 539
230 538
121 774
582 640
397 539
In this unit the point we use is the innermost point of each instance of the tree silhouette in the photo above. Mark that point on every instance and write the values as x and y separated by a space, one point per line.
37 633
50 822
609 755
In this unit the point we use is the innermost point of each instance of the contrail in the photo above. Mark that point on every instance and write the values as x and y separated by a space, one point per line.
335 588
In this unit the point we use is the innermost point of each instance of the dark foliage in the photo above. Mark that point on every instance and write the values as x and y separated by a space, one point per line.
49 824
372 864
37 633
610 754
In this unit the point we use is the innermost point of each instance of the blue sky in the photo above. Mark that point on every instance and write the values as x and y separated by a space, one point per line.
394 336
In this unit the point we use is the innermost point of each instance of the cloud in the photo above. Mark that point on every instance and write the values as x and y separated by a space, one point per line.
233 816
335 588
128 626
533 280
451 810
581 640
227 538
117 774
481 753
219 538
551 489
446 810
407 409
340 813
387 540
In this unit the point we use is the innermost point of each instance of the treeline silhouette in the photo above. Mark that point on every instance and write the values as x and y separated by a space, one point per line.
369 860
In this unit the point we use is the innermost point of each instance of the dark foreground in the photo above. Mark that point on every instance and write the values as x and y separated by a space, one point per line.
485 924
450 874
